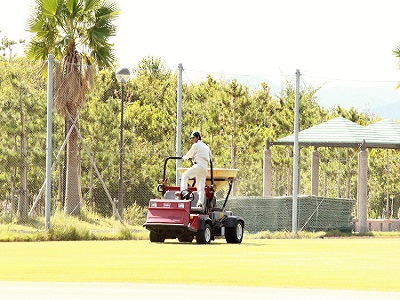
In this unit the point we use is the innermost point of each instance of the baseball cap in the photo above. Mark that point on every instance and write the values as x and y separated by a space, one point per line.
195 134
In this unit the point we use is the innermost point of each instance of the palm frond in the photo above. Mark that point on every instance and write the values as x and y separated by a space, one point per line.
65 26
396 52
77 33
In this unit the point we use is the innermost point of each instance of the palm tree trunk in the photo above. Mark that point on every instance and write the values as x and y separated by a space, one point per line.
73 190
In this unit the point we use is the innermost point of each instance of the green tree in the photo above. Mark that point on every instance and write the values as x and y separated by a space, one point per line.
7 46
235 125
77 33
282 118
150 127
22 139
149 130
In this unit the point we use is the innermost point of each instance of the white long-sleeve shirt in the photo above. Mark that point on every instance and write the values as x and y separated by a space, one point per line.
199 152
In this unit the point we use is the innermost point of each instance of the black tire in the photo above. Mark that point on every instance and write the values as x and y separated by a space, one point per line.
234 235
204 236
156 238
186 239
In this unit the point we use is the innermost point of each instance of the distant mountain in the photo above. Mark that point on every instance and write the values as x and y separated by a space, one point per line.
378 101
388 111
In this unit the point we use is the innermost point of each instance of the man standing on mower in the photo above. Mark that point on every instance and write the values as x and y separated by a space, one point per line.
200 154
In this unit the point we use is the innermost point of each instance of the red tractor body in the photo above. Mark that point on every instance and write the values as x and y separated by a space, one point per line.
172 217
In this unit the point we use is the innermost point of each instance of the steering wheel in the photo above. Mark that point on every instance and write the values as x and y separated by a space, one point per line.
187 195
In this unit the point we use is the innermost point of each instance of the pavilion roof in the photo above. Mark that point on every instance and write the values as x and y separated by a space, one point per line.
341 132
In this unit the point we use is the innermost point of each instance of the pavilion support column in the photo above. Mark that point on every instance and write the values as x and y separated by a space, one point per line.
315 172
362 189
267 170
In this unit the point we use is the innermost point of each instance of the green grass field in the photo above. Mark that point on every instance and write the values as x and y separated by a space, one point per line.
345 263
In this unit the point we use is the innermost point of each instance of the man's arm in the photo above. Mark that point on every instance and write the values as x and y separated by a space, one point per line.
190 153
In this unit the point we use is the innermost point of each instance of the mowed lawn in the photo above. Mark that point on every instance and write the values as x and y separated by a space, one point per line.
345 263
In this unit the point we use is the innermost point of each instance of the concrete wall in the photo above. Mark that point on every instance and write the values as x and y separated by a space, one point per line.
379 225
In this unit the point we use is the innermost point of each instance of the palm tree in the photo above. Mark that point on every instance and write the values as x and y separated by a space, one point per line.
77 33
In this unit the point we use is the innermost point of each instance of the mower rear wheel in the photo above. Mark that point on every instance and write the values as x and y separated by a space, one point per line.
234 235
186 239
204 236
156 238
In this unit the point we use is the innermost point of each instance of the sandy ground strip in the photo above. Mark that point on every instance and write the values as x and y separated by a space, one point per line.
121 291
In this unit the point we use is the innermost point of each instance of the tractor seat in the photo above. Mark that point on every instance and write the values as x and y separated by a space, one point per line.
193 205
169 194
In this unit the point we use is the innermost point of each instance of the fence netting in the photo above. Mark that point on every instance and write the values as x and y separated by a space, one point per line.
275 213
86 157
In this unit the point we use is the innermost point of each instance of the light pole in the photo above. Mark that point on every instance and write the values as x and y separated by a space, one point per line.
122 75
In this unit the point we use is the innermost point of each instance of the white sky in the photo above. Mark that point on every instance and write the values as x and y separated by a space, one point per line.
342 42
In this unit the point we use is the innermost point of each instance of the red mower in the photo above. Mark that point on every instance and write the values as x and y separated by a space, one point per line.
172 217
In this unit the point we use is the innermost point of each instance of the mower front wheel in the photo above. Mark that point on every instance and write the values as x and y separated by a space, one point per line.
156 238
234 235
204 236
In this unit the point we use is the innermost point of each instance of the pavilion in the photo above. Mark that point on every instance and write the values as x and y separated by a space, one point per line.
340 132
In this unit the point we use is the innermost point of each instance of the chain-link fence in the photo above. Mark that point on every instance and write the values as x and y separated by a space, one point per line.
87 155
275 213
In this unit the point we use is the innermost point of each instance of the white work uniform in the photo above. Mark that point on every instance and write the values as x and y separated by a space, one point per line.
200 155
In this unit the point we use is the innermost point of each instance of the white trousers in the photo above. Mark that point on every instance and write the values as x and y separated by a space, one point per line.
199 172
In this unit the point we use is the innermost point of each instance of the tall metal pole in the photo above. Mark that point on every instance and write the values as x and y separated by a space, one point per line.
362 189
296 152
49 139
267 170
178 122
121 156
